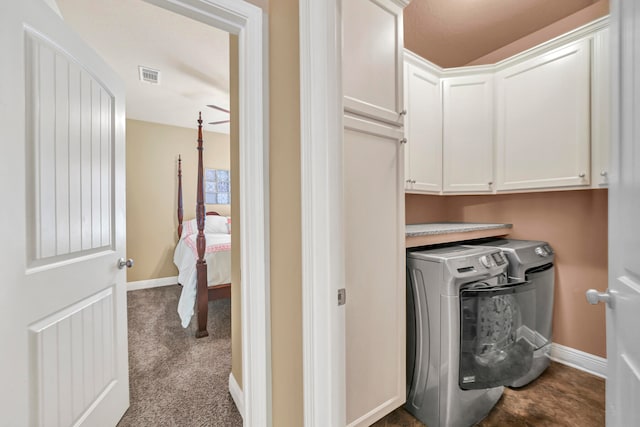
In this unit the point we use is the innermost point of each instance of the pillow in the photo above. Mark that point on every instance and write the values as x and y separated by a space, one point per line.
216 224
213 224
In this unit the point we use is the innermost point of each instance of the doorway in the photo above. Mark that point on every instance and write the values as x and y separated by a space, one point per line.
245 22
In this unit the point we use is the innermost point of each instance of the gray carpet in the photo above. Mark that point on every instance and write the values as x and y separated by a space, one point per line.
176 379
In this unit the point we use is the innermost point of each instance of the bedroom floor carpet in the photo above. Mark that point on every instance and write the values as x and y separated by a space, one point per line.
176 379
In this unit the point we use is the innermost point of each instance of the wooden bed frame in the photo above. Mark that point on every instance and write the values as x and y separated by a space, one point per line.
204 293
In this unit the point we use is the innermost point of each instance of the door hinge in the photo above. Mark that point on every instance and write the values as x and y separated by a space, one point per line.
342 296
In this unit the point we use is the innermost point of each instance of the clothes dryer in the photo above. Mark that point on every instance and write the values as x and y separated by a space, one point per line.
463 318
532 261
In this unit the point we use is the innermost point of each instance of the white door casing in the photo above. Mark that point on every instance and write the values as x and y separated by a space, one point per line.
247 22
63 303
322 213
623 314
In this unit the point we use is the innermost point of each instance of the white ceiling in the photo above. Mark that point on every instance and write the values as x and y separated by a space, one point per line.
193 59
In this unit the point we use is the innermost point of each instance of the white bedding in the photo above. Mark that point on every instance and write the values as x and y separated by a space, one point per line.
218 257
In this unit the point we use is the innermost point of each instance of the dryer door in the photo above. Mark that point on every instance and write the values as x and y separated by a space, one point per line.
497 333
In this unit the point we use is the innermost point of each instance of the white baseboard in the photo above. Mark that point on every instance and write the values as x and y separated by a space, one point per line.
151 283
586 362
236 394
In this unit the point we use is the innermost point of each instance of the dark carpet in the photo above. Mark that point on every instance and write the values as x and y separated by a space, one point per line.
176 379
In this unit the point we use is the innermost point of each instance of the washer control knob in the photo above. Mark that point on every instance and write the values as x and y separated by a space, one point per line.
540 251
484 260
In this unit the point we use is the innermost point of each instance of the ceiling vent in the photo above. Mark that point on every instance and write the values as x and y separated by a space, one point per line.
149 75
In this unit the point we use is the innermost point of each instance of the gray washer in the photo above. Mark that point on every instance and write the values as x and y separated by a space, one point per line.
533 261
434 279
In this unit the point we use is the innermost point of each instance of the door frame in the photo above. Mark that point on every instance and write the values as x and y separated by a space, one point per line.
323 269
247 22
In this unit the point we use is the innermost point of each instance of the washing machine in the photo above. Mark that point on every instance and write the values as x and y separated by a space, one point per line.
532 261
464 316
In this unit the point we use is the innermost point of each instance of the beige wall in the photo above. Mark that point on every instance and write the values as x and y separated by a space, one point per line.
152 186
285 213
573 222
285 217
236 302
578 19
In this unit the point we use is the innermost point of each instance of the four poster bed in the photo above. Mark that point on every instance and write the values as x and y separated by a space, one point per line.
203 254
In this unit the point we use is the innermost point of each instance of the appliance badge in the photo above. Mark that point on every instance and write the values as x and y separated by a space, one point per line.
469 379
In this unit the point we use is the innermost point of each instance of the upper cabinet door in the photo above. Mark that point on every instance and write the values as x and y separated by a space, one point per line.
543 121
468 133
601 110
372 60
423 130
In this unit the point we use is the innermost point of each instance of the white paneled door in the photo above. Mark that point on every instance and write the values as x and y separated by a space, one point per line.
623 308
62 297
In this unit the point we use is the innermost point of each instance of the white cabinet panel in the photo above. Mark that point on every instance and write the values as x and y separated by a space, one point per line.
600 110
468 133
423 130
372 63
543 121
375 270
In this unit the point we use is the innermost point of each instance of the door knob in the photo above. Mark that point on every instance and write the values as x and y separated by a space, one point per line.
594 297
122 263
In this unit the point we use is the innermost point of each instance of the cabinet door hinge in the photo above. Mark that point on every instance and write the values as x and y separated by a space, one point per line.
342 296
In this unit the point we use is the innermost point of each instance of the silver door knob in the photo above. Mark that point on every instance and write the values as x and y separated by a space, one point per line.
603 173
403 141
594 297
403 112
122 263
582 174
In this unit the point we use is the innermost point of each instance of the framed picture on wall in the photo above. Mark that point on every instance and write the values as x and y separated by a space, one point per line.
217 187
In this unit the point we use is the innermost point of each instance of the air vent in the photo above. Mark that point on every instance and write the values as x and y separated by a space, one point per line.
149 75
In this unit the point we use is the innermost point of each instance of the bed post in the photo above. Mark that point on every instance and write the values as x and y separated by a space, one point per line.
202 294
180 209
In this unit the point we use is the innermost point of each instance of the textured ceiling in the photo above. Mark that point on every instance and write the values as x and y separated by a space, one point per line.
193 58
452 33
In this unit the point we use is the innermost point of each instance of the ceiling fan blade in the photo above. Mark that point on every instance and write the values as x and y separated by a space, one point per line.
215 107
220 122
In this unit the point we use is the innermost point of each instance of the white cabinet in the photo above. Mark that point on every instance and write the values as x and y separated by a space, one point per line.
423 130
600 110
543 120
372 60
468 133
375 269
375 310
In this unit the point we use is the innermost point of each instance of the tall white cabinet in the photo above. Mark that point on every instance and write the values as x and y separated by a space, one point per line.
374 209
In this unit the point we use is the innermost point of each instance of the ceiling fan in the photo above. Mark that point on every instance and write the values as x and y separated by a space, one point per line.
224 110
